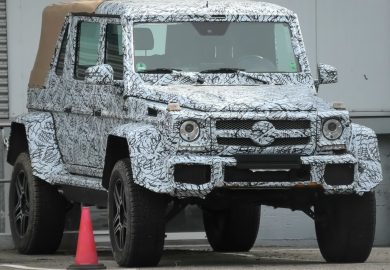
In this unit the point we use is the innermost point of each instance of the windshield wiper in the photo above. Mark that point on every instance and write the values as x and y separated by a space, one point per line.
238 71
222 70
174 72
253 77
159 70
192 77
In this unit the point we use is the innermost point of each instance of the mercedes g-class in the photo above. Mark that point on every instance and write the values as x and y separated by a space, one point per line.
148 106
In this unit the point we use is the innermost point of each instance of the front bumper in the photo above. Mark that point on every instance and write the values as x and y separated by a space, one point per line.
321 170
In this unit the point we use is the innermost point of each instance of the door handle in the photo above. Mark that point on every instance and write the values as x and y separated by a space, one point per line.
97 112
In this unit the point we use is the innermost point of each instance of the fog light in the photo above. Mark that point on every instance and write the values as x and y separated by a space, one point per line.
196 174
339 105
173 107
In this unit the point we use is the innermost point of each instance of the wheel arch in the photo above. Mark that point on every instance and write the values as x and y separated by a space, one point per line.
364 145
17 142
117 149
148 153
35 134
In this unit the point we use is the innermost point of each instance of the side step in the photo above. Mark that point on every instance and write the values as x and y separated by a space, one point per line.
81 189
86 196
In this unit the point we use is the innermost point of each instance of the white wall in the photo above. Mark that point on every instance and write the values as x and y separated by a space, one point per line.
354 35
24 27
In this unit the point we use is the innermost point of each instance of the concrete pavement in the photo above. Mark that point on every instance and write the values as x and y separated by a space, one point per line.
201 257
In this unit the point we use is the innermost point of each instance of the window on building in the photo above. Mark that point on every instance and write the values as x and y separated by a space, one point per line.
87 47
114 49
61 56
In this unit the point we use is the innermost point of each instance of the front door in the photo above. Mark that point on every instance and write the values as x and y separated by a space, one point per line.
108 101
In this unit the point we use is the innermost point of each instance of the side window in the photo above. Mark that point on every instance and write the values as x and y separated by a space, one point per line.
87 47
114 49
61 56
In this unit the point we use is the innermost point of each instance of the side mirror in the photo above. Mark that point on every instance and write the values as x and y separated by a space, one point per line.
101 75
327 74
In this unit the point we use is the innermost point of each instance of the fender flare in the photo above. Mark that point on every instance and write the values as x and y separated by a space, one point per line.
18 142
148 153
364 146
34 133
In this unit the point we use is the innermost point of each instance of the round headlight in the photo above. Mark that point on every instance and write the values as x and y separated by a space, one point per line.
332 129
189 131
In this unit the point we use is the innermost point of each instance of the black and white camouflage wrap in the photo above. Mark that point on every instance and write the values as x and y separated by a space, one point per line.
327 74
69 120
102 74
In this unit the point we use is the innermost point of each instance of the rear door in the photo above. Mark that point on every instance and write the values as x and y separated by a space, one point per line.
75 125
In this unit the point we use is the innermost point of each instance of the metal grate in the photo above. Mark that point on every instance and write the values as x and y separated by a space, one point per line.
291 124
247 124
235 124
248 142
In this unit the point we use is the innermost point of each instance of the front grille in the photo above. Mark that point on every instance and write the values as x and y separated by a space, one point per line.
248 142
265 134
247 124
236 141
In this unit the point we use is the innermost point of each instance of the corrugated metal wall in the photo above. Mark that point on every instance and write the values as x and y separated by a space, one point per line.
4 113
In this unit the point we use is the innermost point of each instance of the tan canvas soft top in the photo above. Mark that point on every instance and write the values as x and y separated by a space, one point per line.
53 18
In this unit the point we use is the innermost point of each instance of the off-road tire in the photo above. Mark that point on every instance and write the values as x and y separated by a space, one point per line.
41 208
142 212
345 227
232 230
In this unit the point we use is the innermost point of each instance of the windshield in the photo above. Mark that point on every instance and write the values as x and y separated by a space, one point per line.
258 47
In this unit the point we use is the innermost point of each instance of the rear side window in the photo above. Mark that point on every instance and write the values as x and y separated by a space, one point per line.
114 49
87 47
61 56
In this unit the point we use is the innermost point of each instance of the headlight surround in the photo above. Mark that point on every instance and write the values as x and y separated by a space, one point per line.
332 129
189 131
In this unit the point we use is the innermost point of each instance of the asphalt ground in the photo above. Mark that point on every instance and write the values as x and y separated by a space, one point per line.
201 257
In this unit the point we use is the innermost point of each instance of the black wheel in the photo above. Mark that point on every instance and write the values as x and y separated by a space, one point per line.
234 229
136 219
36 209
346 227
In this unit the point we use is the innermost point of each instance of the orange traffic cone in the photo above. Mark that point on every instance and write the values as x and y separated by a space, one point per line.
86 255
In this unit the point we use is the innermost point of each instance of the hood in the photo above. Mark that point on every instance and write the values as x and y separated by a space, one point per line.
237 98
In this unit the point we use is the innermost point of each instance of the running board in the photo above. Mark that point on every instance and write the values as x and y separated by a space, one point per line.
81 189
85 196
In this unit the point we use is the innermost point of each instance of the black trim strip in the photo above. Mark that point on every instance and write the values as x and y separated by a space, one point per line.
268 162
91 15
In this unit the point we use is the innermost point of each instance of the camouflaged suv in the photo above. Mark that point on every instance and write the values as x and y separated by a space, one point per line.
154 105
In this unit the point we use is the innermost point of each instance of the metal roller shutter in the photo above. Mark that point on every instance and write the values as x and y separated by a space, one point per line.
4 110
